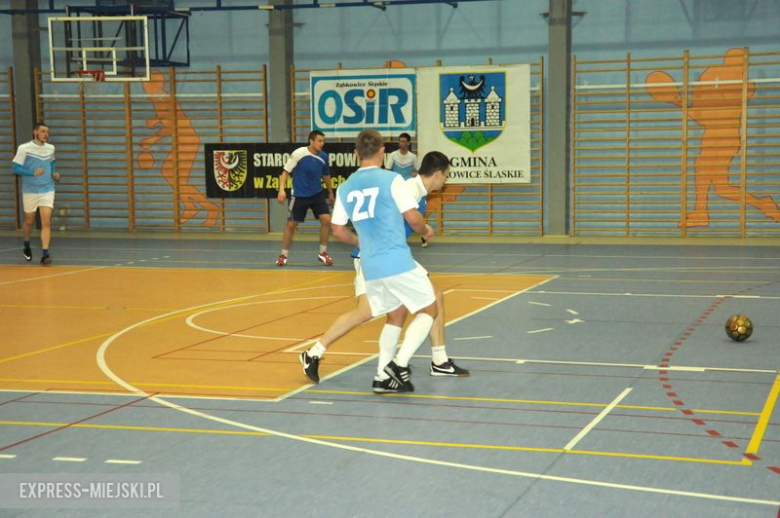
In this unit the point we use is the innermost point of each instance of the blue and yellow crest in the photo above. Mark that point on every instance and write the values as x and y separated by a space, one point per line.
473 107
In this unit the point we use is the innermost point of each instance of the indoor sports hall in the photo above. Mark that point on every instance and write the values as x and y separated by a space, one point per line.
611 202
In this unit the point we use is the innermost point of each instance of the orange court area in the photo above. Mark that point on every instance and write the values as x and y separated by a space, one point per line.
193 332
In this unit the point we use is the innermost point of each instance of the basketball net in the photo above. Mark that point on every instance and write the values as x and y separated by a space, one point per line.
89 81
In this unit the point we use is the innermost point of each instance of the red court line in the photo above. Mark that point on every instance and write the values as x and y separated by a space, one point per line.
288 315
23 441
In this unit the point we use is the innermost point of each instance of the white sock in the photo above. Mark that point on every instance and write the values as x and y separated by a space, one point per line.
317 350
388 344
439 355
285 253
323 248
415 335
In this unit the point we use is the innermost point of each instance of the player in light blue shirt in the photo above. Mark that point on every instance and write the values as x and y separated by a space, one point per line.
377 202
34 163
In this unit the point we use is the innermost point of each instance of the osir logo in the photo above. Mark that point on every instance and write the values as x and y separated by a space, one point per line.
344 105
230 169
472 108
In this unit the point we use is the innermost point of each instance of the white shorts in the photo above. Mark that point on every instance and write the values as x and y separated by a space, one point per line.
412 289
33 200
360 281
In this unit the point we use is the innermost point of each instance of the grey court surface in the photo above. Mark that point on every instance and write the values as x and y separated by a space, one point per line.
610 390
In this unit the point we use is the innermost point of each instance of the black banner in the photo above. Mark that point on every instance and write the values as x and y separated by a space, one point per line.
253 170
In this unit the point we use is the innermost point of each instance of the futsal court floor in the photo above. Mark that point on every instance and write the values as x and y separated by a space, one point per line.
602 381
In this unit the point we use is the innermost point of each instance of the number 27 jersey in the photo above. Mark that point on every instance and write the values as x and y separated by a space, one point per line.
373 199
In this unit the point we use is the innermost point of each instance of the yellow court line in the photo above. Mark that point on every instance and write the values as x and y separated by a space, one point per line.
763 421
54 348
744 462
39 306
171 317
357 393
177 385
530 402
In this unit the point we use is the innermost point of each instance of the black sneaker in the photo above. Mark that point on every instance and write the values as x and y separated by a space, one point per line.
403 375
311 367
424 242
448 368
387 386
27 253
46 260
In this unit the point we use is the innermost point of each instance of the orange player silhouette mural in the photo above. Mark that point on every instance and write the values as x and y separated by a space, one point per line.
718 109
188 144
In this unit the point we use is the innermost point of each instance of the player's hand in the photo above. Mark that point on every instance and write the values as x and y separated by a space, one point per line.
281 196
428 233
56 176
39 171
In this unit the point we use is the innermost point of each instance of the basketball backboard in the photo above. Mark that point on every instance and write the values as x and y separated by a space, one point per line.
116 45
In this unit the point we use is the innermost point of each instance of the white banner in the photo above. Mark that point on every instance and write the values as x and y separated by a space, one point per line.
344 102
480 117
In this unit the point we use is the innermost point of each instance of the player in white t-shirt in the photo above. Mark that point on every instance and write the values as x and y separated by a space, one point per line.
34 163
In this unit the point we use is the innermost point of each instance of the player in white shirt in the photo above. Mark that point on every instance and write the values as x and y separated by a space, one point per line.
34 163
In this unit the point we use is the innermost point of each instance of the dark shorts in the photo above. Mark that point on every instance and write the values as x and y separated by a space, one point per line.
300 205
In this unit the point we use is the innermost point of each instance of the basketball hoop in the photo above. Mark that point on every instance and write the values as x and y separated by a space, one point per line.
89 79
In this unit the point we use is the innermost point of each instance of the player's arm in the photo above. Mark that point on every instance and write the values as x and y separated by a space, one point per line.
54 173
417 222
338 224
326 178
406 203
282 184
17 165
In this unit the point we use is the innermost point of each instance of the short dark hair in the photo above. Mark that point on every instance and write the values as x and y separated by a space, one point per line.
314 134
406 136
40 124
433 161
368 143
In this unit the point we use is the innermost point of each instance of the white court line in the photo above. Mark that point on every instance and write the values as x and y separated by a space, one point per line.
538 303
6 456
122 461
191 319
69 459
539 330
670 295
577 438
484 298
572 312
320 402
473 338
101 361
29 279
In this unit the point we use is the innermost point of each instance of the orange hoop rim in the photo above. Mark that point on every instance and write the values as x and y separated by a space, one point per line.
97 75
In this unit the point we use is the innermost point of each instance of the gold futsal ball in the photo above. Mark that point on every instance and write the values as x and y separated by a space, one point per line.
739 328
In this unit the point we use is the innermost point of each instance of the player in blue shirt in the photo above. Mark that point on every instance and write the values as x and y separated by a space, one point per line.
377 202
34 163
308 166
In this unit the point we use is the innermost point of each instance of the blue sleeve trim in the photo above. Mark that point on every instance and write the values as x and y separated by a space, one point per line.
21 170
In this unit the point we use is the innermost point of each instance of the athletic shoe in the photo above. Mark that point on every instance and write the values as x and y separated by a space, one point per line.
448 368
27 253
311 367
424 242
325 258
402 375
282 261
387 386
46 260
